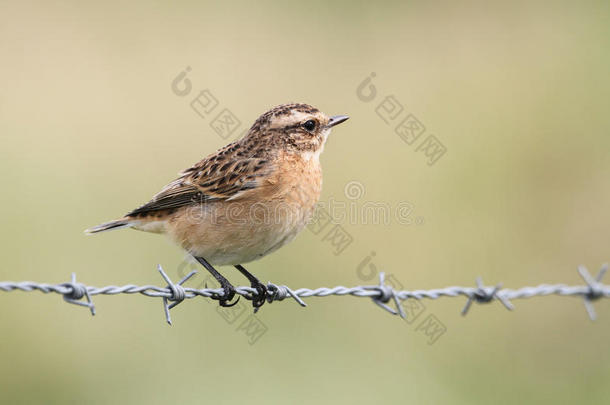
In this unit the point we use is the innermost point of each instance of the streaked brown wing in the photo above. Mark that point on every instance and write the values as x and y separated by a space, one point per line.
211 179
171 198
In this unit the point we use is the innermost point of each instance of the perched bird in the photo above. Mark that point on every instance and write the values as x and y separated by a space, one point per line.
246 200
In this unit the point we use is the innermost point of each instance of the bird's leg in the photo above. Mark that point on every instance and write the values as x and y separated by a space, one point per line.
229 290
259 299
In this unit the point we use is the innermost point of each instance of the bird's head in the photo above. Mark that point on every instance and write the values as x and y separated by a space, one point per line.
299 128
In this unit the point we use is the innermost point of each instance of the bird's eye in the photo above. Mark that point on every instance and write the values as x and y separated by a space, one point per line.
309 125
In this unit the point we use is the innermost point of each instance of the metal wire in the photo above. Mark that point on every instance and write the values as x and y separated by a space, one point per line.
382 294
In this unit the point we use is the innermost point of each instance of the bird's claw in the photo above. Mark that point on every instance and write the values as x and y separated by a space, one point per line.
227 295
259 298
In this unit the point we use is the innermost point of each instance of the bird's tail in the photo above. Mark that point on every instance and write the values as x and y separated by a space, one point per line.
116 224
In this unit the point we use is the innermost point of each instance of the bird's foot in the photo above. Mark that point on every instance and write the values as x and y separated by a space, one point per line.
227 295
228 289
259 298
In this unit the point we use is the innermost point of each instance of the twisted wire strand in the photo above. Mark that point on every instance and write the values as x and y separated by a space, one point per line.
382 294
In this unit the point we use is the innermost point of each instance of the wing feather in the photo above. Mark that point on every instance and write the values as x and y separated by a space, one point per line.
218 177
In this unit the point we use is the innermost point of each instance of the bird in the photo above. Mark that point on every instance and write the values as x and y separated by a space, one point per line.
244 201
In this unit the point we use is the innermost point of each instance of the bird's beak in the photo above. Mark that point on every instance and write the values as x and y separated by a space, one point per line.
336 120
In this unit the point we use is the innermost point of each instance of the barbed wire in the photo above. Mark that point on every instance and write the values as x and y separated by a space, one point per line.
382 294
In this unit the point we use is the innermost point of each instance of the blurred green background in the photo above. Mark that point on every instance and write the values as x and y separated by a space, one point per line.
90 128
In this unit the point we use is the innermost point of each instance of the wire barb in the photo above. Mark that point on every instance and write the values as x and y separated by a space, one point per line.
178 294
279 292
596 288
381 294
76 291
385 294
483 295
